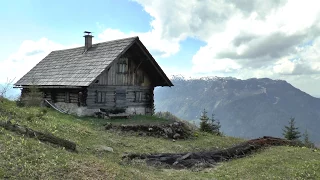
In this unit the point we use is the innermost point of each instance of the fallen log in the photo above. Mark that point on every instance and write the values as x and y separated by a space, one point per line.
209 158
39 135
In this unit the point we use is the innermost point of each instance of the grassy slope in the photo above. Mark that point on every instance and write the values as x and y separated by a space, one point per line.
28 158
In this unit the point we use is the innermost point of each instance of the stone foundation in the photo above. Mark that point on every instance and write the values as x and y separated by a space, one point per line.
72 108
136 110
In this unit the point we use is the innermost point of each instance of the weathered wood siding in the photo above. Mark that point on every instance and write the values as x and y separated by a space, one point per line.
133 74
61 95
112 100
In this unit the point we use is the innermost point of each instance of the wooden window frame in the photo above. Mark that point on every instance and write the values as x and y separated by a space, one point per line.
100 97
122 67
148 96
138 96
67 97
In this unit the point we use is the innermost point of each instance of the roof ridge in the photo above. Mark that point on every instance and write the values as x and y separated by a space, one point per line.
115 40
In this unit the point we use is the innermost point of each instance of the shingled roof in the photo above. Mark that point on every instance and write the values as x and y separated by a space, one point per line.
73 67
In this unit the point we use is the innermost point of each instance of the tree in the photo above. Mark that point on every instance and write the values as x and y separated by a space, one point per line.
6 87
209 126
306 140
215 125
291 132
204 122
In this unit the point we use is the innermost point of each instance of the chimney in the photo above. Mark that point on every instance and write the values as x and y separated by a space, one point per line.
87 40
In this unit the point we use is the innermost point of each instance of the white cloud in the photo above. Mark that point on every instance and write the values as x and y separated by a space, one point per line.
26 57
152 39
284 66
257 38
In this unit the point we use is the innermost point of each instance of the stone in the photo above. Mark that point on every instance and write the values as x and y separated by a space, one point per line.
176 136
104 148
167 130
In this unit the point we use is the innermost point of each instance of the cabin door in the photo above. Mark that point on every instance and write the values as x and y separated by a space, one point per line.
121 95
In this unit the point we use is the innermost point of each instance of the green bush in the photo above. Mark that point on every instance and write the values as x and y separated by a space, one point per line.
32 97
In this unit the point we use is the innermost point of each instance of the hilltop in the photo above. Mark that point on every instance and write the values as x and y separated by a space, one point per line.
29 158
246 108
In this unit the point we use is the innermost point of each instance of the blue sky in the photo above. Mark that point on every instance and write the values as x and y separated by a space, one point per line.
65 21
243 39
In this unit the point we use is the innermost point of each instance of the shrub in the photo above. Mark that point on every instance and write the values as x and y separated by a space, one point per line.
32 97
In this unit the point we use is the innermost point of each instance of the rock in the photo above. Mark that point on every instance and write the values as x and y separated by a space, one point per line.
104 148
167 130
142 134
176 136
173 140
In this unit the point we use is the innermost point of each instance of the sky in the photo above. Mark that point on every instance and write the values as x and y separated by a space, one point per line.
277 39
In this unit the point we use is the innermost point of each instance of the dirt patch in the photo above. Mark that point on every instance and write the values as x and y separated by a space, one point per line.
209 158
176 130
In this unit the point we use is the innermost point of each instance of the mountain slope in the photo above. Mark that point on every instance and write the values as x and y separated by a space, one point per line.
246 108
27 158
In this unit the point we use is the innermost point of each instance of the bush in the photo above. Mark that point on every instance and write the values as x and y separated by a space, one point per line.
31 97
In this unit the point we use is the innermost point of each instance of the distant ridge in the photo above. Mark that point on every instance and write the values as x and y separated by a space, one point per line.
246 108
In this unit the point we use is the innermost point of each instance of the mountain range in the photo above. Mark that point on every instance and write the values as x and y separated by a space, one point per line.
245 108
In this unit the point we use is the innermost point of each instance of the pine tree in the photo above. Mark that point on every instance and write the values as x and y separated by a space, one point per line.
306 140
215 125
204 124
209 125
291 132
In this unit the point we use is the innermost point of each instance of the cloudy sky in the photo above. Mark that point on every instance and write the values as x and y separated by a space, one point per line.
277 39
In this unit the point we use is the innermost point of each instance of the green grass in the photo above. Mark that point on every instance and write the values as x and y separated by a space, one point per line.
26 158
133 120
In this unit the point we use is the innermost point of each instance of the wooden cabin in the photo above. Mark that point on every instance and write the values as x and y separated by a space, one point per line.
114 74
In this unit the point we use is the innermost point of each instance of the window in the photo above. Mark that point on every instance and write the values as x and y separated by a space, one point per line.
138 96
148 97
67 97
122 65
101 97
